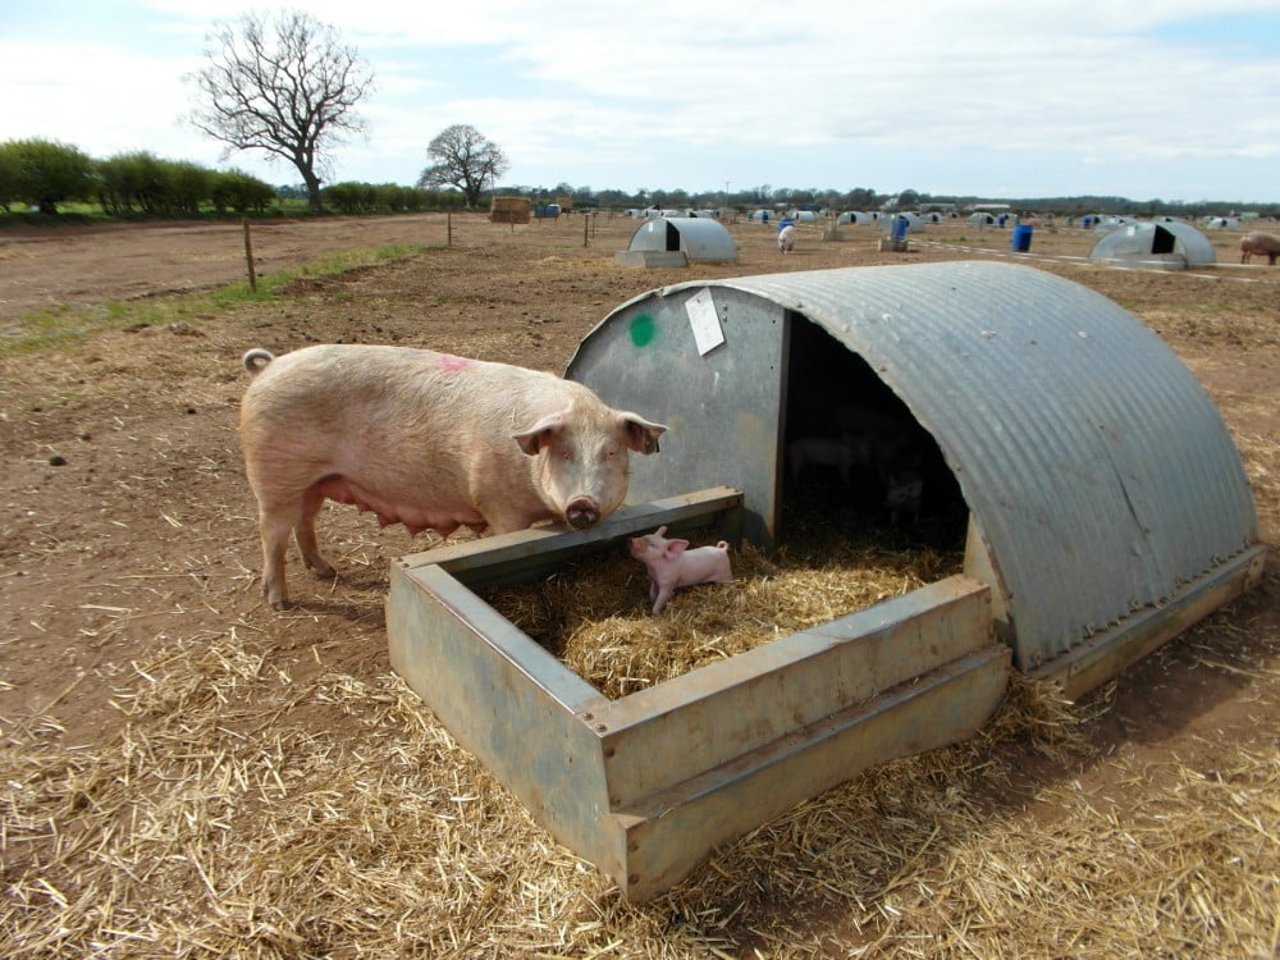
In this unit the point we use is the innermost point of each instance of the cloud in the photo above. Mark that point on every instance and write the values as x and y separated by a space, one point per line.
98 96
684 94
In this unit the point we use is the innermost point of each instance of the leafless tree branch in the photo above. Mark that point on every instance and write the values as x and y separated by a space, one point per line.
288 87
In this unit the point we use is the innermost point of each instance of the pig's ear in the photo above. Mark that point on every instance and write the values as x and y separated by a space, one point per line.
675 548
536 437
641 435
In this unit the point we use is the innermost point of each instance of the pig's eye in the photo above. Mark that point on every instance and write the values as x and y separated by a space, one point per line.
566 456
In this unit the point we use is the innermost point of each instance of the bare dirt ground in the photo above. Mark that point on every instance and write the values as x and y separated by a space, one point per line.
127 526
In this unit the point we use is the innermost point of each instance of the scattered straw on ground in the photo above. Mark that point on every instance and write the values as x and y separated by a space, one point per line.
225 820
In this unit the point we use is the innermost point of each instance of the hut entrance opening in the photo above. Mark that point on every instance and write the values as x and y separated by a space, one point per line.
1162 242
854 457
673 237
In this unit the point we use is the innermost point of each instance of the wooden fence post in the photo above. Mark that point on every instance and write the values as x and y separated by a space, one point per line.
248 256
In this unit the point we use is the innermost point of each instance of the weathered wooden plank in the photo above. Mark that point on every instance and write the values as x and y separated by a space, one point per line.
665 734
528 554
507 701
669 834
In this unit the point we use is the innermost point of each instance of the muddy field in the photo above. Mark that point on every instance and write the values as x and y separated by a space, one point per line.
137 653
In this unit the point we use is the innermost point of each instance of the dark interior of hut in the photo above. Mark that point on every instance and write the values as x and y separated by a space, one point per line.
855 458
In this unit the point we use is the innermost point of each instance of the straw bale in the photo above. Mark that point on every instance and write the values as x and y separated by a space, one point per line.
510 210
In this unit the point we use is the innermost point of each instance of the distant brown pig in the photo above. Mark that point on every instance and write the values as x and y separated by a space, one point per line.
1256 241
672 564
426 439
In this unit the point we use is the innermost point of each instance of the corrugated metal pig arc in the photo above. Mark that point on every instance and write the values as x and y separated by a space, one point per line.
1097 467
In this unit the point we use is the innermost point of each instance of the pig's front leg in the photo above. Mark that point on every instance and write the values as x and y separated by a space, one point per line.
663 592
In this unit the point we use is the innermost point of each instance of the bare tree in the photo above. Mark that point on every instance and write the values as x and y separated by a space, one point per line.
465 159
288 87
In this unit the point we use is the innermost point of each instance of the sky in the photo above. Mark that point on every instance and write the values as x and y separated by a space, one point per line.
1177 100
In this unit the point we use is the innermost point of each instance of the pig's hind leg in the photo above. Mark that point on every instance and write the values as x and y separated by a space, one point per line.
280 517
275 526
305 531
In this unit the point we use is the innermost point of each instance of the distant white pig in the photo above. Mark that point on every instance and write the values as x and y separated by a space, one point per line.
426 439
787 239
673 565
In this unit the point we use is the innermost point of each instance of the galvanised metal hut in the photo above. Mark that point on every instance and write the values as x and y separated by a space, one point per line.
1169 245
1103 505
1107 505
692 239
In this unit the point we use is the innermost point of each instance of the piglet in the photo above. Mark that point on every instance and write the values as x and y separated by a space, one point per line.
672 564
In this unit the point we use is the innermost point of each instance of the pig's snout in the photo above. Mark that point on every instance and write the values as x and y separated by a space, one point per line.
582 513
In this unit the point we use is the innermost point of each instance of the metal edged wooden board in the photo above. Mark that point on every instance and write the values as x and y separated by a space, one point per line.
646 786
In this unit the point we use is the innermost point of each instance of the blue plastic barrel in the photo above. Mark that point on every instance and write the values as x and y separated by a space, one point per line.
899 228
1020 242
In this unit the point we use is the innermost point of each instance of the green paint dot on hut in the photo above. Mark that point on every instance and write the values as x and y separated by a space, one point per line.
642 330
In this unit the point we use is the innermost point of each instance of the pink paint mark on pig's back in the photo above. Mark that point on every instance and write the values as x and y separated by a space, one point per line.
451 364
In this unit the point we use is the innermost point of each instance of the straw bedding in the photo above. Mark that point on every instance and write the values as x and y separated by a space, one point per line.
595 615
226 821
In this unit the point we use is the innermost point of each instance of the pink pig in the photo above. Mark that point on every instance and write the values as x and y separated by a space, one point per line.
426 439
672 564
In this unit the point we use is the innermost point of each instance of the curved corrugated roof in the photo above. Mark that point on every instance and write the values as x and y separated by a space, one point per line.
701 239
1100 472
1167 242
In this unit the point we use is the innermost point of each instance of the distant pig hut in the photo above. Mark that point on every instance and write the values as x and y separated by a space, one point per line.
1169 246
670 241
